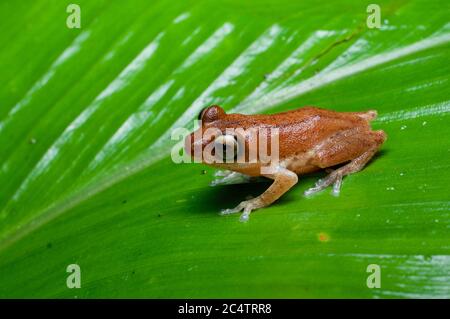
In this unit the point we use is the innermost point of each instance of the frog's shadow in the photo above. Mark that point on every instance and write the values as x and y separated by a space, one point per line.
216 198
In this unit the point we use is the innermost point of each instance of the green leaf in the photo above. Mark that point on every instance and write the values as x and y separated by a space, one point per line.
86 175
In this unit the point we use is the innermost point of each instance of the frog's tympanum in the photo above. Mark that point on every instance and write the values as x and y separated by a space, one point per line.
308 139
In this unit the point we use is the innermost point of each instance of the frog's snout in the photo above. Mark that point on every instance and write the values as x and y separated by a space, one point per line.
188 144
193 146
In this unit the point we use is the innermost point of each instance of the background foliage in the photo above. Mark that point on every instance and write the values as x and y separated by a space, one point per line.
86 177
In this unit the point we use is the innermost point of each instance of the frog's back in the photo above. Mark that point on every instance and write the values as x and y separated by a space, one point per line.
299 116
310 113
304 128
301 129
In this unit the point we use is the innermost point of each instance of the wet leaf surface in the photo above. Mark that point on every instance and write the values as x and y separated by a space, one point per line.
86 175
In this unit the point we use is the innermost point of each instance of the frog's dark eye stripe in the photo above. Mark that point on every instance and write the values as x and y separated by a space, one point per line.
199 117
228 145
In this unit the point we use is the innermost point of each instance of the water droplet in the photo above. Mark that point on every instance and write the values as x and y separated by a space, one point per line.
390 188
423 187
403 127
424 123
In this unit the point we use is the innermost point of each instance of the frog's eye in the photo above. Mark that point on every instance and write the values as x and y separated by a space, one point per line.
211 113
226 147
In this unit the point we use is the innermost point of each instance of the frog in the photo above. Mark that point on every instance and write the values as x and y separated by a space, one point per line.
309 139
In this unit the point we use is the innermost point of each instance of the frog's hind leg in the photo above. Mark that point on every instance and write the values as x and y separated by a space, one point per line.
347 145
368 116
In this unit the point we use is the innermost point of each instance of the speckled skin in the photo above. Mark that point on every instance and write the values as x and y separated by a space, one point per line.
310 139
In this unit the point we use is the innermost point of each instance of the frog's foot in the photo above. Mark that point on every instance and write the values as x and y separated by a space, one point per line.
246 206
334 178
222 173
229 178
354 166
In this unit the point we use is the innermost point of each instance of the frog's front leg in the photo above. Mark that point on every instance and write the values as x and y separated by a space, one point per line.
283 178
229 177
222 173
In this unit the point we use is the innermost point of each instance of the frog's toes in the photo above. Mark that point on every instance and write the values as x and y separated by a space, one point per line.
245 206
230 178
316 188
312 190
244 217
230 211
222 173
226 179
337 185
334 178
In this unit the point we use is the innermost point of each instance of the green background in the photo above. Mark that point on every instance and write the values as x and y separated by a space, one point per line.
86 177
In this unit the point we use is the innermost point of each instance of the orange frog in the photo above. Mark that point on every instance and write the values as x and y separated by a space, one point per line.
309 139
